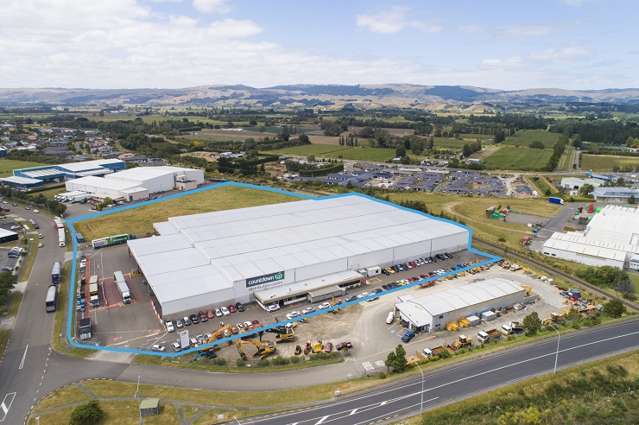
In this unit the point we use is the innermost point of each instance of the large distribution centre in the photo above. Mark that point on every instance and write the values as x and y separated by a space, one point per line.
433 311
138 183
610 239
282 253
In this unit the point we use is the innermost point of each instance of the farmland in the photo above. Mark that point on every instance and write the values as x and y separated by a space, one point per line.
340 152
526 137
140 221
8 165
518 158
609 162
225 135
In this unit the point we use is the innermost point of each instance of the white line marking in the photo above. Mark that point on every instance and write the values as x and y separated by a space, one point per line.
24 356
353 412
321 420
383 403
394 411
6 406
552 353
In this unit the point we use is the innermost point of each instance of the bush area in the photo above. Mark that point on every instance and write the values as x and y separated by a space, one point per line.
38 200
601 394
608 277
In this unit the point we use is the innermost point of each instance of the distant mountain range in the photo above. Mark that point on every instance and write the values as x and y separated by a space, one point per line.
309 95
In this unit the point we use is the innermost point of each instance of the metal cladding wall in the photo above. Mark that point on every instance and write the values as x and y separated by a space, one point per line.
321 269
496 303
198 302
583 259
450 243
383 257
411 251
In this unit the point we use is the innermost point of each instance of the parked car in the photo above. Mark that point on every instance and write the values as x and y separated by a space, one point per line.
218 312
195 319
240 307
307 310
292 315
323 306
203 317
169 326
158 347
232 308
390 317
179 324
272 307
210 314
176 346
187 321
407 336
36 211
225 311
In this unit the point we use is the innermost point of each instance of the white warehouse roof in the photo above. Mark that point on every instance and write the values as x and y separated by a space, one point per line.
450 300
611 234
250 242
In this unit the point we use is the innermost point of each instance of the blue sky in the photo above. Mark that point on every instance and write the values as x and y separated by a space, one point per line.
572 44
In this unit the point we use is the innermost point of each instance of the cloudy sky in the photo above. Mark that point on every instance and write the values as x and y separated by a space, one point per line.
580 44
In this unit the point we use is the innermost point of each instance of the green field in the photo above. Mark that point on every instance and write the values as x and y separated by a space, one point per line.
525 137
8 165
336 151
608 162
140 221
518 158
567 159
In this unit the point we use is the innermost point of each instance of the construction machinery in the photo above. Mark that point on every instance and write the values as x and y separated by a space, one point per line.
263 348
452 326
461 342
288 336
317 347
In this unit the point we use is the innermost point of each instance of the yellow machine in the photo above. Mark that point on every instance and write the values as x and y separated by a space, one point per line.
286 337
452 326
317 347
463 323
263 348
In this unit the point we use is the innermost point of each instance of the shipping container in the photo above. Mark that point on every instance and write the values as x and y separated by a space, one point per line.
556 200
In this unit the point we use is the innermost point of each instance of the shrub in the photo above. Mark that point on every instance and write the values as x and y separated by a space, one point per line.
87 414
263 363
614 308
240 363
220 361
296 359
280 361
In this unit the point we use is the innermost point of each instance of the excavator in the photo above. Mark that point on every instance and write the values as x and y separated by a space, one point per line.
264 348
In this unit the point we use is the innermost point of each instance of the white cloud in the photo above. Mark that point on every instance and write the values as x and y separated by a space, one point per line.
526 30
211 6
392 21
565 54
502 63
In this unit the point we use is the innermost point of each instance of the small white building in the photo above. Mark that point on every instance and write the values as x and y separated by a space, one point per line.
610 239
574 184
431 312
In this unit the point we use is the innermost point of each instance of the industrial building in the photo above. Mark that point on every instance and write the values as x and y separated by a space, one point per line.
574 184
27 178
615 195
138 183
430 312
283 253
610 239
7 235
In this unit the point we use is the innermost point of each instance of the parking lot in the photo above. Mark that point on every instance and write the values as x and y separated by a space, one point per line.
115 323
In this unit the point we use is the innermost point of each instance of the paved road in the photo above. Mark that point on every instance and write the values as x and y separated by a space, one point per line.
25 363
464 380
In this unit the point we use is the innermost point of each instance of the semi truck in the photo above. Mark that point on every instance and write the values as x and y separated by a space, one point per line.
111 240
62 239
118 277
55 273
84 329
94 291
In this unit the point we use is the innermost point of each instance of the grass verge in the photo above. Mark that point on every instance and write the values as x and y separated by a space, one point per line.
598 392
140 221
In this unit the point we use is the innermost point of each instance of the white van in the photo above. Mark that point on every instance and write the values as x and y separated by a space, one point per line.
373 271
390 317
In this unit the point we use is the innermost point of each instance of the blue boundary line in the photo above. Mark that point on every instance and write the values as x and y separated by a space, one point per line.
490 259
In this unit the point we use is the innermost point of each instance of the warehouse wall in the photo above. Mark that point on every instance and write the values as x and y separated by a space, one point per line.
583 259
411 251
189 305
374 258
321 269
450 243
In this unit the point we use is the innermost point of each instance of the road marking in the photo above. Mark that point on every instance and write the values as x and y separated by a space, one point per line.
24 356
395 411
6 405
321 420
466 378
352 412
383 403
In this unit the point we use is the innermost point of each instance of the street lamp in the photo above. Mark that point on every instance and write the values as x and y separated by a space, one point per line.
421 399
557 350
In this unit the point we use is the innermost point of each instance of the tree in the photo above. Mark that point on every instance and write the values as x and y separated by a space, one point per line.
396 360
87 414
614 308
7 282
632 200
400 151
304 139
532 323
586 190
536 144
500 136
